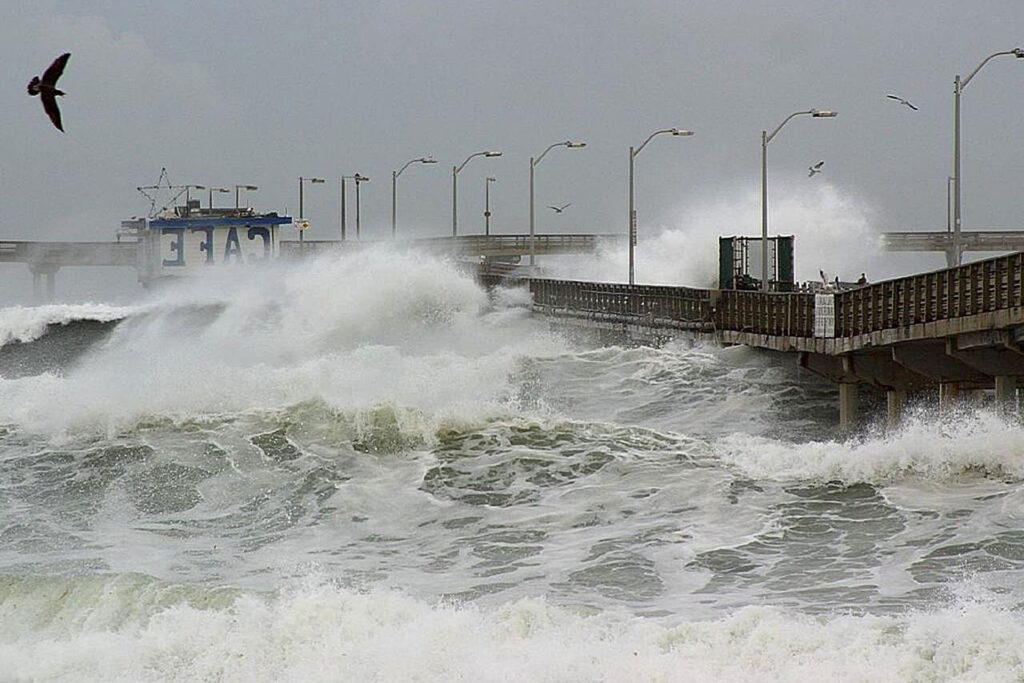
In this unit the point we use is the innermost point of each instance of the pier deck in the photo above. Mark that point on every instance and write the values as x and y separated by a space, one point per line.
952 329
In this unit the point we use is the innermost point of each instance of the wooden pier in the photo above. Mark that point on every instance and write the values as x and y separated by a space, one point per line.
949 330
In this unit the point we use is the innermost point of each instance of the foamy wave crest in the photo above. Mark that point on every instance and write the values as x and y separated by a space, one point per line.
832 230
926 446
25 324
355 331
128 628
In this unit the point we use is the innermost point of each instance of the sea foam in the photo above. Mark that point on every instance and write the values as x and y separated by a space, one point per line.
927 445
128 629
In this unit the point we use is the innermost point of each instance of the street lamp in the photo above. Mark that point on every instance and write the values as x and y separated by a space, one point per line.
301 181
187 189
455 180
533 163
249 188
487 204
632 211
394 185
359 178
765 139
958 88
211 190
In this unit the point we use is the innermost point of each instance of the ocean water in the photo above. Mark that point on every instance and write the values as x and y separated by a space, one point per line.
374 470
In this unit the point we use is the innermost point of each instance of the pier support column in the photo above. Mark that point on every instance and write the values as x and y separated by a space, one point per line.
896 399
40 271
1006 394
949 392
847 405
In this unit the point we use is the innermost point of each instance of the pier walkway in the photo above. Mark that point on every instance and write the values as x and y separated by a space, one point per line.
949 330
44 259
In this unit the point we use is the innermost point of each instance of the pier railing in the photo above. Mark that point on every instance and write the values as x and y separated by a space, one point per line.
777 314
968 290
681 307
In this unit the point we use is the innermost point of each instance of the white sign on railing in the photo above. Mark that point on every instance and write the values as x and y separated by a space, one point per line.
824 315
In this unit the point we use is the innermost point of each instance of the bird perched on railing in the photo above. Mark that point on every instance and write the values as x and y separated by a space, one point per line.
816 168
46 88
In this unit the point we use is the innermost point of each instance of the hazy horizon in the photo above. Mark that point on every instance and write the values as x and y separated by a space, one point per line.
243 94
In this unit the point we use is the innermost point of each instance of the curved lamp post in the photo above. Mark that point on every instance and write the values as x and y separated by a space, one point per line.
359 178
632 211
248 188
765 139
188 191
211 190
533 163
301 182
394 185
958 88
455 180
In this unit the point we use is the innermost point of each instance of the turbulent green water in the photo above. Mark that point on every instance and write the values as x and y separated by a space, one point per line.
417 481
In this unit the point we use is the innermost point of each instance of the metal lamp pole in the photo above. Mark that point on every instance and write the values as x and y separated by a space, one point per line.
343 193
533 164
765 139
211 190
188 195
632 210
250 188
359 179
487 204
958 88
301 215
455 194
394 185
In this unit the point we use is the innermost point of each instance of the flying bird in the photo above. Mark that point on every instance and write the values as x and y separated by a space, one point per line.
901 100
816 168
560 209
46 88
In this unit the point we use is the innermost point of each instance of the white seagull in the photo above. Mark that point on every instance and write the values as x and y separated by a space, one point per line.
816 168
901 100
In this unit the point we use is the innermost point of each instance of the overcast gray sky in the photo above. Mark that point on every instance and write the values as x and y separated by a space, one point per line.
232 92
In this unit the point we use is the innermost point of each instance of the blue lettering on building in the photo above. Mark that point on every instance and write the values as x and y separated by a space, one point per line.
265 234
207 244
232 247
177 245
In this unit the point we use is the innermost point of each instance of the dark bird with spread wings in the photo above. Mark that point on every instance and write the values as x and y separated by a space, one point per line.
46 88
560 209
816 168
